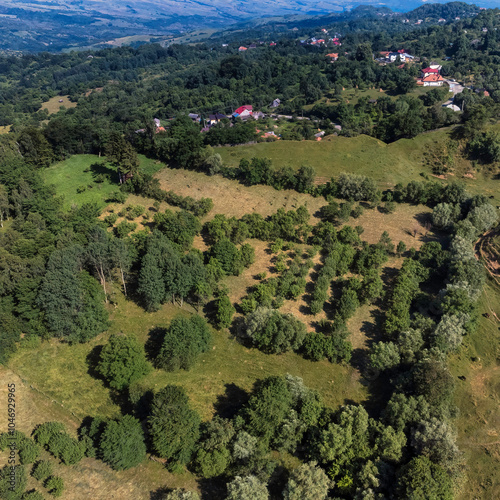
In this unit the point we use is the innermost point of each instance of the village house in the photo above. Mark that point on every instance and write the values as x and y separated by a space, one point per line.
243 112
242 49
390 57
333 57
433 80
271 134
429 71
213 119
453 107
403 56
275 103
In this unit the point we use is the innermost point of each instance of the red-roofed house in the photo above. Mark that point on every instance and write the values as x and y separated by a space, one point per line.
431 81
243 111
242 49
429 71
333 57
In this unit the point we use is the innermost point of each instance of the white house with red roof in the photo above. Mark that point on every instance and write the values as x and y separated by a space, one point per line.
429 71
433 80
243 111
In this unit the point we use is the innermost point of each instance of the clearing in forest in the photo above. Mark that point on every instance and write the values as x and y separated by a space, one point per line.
54 104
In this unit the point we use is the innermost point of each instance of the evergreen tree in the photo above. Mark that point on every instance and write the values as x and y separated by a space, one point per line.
421 479
72 300
122 361
151 284
224 310
184 340
122 443
173 425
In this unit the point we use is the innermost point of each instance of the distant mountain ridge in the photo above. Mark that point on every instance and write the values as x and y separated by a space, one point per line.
223 9
55 25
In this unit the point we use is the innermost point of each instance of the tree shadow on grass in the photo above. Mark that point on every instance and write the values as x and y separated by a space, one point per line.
92 361
102 169
154 342
230 403
213 488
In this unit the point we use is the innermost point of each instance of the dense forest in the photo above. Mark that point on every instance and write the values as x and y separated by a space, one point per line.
58 265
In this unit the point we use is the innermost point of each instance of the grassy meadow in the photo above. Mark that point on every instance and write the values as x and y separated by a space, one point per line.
53 105
477 396
352 96
77 174
401 161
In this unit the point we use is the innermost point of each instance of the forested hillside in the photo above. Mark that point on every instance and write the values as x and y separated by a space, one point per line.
188 311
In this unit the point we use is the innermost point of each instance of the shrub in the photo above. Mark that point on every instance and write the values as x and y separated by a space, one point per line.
51 436
55 485
274 332
42 470
111 219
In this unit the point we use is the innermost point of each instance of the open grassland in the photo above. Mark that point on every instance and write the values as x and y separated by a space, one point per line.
232 198
478 400
76 174
90 478
62 372
53 105
387 164
401 161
